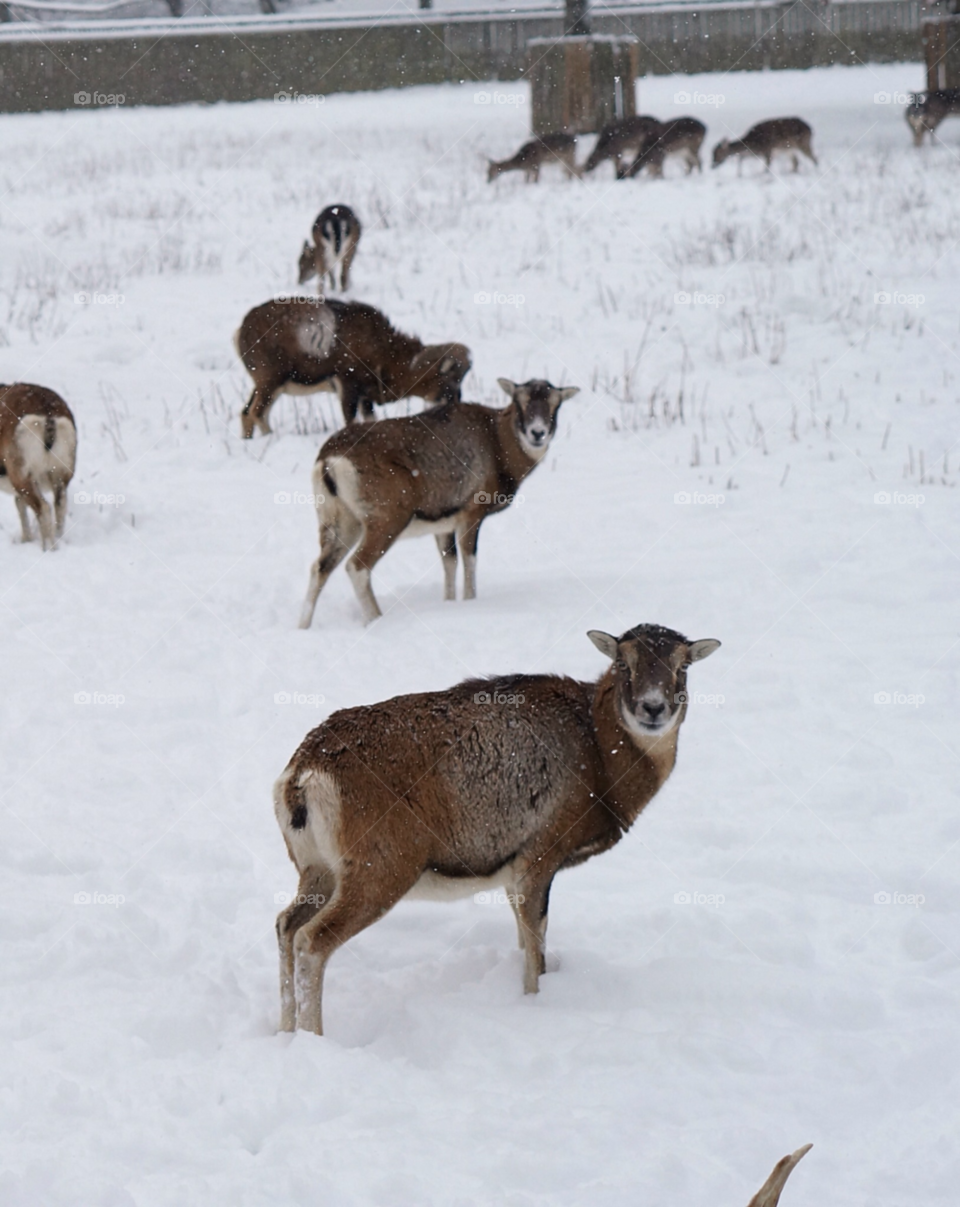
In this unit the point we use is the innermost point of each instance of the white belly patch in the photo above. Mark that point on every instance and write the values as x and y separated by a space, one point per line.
430 527
433 887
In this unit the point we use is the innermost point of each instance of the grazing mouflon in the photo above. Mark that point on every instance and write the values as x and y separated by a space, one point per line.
928 109
336 233
38 452
621 141
308 344
539 152
683 136
441 472
498 782
764 140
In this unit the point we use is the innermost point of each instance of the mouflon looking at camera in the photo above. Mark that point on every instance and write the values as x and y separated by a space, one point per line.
495 783
438 473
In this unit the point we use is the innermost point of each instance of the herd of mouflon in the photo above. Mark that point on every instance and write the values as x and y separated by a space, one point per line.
503 782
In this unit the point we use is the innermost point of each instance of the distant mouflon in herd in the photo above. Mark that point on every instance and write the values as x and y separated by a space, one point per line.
636 143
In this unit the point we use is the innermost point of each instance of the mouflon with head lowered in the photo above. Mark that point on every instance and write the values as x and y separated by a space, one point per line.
766 139
302 345
683 136
336 233
38 453
621 141
539 152
439 473
495 783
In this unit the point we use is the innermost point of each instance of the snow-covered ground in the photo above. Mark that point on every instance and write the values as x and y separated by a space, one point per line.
681 1047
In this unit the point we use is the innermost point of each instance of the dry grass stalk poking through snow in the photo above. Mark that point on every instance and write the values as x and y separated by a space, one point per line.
503 783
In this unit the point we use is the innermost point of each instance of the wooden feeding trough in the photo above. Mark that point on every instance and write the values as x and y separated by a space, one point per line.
581 83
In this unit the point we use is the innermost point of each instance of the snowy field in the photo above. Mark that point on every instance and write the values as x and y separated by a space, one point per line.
680 1047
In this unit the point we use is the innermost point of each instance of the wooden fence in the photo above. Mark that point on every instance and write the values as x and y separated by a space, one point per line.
163 62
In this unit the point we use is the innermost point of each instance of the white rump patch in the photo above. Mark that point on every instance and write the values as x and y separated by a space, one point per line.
316 331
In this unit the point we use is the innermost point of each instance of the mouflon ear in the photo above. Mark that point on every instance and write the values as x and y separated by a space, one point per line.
566 392
604 642
507 385
703 649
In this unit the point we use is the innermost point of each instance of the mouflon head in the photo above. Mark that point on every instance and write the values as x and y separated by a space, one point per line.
536 405
650 673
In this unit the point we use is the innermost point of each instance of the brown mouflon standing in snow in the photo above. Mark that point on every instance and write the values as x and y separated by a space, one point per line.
494 783
38 453
765 139
336 233
683 136
302 345
539 152
621 141
441 472
928 109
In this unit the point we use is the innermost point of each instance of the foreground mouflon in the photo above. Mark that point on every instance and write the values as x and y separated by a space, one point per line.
38 453
539 152
336 233
441 472
928 109
621 141
494 783
303 345
683 136
765 139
